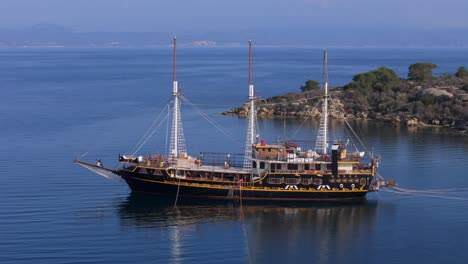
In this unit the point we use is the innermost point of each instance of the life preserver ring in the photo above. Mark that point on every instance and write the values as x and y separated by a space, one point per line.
341 185
352 185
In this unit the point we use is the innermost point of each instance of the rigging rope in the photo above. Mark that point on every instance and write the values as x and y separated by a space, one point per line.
355 135
211 121
149 136
148 130
307 118
167 131
288 102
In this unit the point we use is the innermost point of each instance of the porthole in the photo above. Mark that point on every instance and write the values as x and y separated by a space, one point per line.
318 181
363 181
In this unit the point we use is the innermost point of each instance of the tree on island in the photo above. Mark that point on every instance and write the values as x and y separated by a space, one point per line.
462 72
381 79
310 85
421 71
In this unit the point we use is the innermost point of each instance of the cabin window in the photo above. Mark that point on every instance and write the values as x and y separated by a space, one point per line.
306 181
254 164
328 167
269 150
317 166
293 166
306 167
275 180
262 165
292 180
318 181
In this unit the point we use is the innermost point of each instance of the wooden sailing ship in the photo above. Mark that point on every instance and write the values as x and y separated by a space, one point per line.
282 172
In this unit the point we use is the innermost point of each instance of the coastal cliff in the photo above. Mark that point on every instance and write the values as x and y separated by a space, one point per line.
380 95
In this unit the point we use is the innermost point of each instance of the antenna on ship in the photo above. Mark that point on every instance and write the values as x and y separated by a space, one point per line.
177 145
322 134
251 134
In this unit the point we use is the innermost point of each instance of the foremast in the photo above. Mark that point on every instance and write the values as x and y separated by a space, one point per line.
321 143
177 145
251 127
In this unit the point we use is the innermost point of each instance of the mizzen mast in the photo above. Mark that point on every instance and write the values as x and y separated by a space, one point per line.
251 134
177 145
322 135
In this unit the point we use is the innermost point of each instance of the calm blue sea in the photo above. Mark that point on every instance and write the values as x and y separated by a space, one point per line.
57 104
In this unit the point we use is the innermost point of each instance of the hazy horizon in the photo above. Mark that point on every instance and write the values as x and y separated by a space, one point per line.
303 22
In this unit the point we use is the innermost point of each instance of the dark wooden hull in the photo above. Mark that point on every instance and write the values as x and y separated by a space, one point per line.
189 188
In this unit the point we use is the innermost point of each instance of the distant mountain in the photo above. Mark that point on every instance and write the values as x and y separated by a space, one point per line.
44 35
50 35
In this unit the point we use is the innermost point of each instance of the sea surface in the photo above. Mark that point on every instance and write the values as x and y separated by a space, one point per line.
59 104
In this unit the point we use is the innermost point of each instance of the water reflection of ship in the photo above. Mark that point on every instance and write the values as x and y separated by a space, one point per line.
140 209
144 210
326 229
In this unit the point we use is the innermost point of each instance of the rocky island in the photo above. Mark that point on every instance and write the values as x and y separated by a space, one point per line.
381 94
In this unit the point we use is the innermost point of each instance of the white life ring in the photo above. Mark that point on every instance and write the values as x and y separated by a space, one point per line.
341 185
352 185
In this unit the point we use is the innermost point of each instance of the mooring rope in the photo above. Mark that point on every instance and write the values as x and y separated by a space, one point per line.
447 193
433 191
422 194
244 229
177 194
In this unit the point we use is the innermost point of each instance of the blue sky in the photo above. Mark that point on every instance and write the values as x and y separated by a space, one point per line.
223 15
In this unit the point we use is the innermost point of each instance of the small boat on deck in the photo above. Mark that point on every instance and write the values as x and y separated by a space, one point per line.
327 171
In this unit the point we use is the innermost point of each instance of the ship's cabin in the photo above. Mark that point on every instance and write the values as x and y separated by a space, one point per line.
289 157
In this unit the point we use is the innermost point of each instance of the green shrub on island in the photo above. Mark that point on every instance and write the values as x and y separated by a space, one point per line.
421 71
310 85
461 72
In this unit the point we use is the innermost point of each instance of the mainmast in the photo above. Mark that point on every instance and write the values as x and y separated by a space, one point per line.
322 135
251 134
177 135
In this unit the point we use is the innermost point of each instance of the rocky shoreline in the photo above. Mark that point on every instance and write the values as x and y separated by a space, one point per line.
442 103
336 111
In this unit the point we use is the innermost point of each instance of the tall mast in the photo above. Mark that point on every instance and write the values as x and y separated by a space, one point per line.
177 135
251 134
322 135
